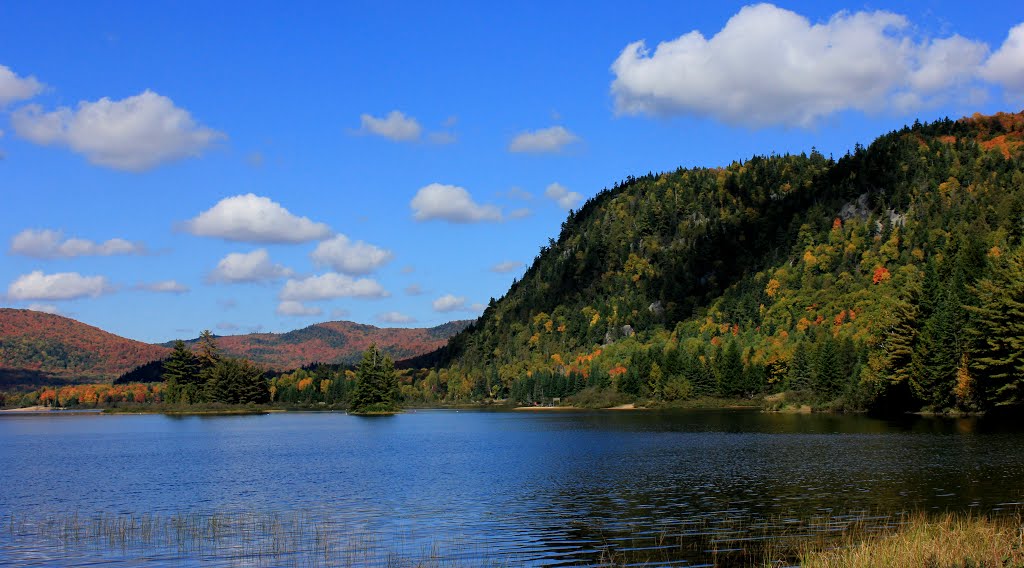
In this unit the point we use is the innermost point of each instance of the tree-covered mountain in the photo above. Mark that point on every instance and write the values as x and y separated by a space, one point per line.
889 276
40 348
333 342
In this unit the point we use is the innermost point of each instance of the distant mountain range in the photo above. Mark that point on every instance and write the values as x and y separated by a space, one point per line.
38 348
334 342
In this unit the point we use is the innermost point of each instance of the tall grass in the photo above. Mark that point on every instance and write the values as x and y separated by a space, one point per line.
301 539
246 539
945 541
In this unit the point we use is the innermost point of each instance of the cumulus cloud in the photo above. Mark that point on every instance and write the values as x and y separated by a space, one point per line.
164 287
414 289
14 88
59 286
1006 65
329 286
45 308
450 303
770 66
395 317
47 243
562 196
254 266
543 141
507 266
252 218
134 134
450 203
343 255
395 126
293 308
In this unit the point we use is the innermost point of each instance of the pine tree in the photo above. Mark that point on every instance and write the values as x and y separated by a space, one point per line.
998 332
828 373
729 370
179 369
376 387
800 372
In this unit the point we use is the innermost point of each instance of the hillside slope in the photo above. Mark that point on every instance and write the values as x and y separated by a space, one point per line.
37 348
334 342
859 279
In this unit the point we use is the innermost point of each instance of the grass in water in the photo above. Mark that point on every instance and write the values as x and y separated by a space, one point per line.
300 539
950 540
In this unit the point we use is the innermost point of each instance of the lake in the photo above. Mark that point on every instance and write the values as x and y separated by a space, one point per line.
541 488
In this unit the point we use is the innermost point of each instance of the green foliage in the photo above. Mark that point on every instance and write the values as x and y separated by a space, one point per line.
998 333
871 280
376 387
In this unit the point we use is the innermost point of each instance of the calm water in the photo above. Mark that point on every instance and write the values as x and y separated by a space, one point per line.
535 488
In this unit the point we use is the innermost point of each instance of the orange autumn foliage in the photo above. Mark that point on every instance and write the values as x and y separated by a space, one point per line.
881 275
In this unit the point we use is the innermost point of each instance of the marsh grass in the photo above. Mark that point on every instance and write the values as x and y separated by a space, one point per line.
949 540
243 539
302 539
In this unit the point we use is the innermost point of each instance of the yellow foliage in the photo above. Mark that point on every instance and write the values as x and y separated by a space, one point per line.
772 288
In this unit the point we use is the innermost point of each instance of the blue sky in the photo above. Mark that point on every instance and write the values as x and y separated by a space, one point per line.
172 167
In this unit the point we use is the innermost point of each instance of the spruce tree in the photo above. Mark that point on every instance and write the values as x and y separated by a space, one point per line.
800 371
998 332
729 370
376 388
179 369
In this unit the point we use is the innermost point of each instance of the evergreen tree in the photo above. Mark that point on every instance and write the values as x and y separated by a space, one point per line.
800 370
828 373
179 369
376 388
729 370
998 332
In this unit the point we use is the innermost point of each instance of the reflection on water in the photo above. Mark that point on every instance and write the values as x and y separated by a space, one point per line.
539 488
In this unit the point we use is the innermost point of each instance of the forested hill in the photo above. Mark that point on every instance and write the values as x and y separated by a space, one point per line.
334 342
891 276
39 348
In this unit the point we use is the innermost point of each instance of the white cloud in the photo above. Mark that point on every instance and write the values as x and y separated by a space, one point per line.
293 308
45 308
395 317
519 193
507 266
770 66
14 88
545 140
521 213
442 138
47 243
414 289
164 287
339 313
450 203
254 266
1006 65
395 126
449 303
349 257
59 286
251 218
329 286
135 134
562 196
